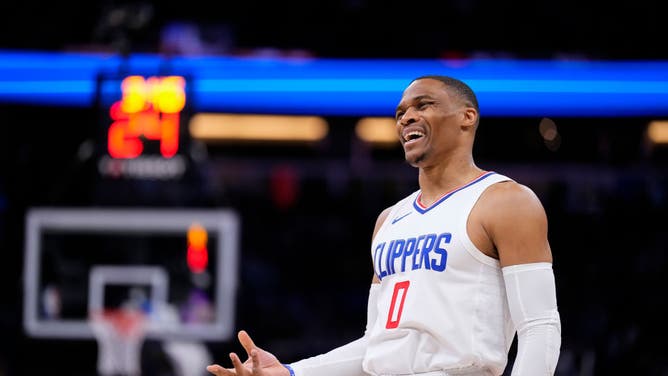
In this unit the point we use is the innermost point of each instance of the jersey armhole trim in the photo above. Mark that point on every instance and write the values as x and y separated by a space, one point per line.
466 240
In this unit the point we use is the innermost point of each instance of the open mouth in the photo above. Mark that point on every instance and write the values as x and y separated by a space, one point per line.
413 136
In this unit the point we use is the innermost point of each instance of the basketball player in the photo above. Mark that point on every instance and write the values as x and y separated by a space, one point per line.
460 266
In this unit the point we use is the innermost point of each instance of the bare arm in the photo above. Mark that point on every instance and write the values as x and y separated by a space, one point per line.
516 224
517 227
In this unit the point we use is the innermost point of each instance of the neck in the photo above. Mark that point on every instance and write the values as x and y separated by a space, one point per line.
443 177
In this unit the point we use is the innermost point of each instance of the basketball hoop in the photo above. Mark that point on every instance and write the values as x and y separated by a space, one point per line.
120 335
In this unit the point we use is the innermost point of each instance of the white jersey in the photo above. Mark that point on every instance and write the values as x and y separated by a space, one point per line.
442 302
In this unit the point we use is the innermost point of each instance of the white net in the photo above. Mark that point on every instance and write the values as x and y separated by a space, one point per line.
120 334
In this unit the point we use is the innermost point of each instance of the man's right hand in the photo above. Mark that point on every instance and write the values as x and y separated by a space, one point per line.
259 362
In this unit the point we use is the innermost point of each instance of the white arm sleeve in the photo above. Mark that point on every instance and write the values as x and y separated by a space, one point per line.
344 360
532 301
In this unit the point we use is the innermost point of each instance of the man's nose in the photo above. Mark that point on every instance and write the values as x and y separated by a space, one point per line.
409 117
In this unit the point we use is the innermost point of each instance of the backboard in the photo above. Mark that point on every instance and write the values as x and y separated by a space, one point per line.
81 261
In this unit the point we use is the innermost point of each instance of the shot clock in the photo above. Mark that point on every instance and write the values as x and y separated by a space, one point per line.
144 121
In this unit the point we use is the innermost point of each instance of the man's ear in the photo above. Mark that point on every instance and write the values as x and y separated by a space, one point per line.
470 118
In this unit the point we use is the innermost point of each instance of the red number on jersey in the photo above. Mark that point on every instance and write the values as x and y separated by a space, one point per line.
397 304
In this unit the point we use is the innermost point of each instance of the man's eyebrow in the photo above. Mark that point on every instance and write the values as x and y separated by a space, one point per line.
414 99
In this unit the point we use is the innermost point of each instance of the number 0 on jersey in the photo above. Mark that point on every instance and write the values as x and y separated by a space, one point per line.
397 304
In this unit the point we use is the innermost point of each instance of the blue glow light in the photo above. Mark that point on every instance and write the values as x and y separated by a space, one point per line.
348 87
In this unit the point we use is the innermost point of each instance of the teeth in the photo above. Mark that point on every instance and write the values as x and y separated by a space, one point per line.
409 136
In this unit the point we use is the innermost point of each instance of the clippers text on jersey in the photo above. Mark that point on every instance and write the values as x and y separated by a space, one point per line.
400 255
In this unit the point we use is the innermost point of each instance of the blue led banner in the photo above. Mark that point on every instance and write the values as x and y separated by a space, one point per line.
348 87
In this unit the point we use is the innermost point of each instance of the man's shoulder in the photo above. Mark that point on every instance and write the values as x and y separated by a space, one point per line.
509 187
509 197
515 222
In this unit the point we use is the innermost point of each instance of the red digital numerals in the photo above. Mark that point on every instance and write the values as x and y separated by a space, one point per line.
150 109
397 304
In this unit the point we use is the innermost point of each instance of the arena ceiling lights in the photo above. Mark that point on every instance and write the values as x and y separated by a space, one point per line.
258 128
330 87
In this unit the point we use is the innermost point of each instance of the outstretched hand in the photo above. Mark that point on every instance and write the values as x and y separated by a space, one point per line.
259 362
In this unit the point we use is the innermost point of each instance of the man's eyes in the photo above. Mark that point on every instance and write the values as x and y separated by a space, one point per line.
418 106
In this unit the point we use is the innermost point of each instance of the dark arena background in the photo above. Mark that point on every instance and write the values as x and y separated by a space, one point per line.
574 104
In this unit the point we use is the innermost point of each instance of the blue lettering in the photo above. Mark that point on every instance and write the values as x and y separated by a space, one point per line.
424 252
388 256
396 252
379 271
417 252
429 243
409 250
440 265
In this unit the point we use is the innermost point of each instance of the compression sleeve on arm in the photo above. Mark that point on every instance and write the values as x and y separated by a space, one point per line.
344 360
532 301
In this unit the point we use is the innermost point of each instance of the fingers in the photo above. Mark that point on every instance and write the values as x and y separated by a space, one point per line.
246 341
239 369
218 370
238 366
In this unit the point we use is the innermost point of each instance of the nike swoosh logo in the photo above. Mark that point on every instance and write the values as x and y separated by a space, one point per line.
395 220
